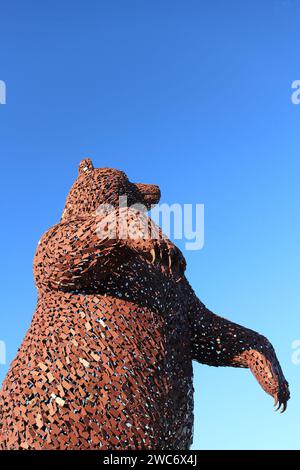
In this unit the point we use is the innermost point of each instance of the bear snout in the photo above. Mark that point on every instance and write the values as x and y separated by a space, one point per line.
150 193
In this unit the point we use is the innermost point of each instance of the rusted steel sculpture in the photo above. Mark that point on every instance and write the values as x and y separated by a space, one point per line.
107 360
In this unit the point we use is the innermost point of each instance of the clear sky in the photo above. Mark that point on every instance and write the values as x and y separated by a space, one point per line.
194 96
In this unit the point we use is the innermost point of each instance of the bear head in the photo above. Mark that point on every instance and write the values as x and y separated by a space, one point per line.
96 186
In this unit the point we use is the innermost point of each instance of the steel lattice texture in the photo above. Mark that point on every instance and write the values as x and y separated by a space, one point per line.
107 360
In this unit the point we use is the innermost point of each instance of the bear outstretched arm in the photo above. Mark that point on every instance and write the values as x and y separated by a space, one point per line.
219 342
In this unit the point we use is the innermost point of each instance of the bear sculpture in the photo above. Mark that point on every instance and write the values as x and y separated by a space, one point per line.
107 360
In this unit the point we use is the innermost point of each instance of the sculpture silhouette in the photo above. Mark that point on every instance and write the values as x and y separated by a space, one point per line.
107 360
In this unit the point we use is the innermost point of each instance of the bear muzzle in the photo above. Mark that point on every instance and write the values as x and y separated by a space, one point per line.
150 194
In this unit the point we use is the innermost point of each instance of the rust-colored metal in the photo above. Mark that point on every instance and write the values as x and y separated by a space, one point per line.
107 360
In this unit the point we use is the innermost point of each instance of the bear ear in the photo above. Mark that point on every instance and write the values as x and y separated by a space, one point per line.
85 166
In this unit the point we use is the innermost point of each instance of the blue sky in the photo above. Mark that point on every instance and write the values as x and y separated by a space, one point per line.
194 96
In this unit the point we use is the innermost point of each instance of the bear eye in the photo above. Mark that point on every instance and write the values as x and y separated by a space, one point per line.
124 176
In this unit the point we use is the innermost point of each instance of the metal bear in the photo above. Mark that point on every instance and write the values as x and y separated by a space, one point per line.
107 360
